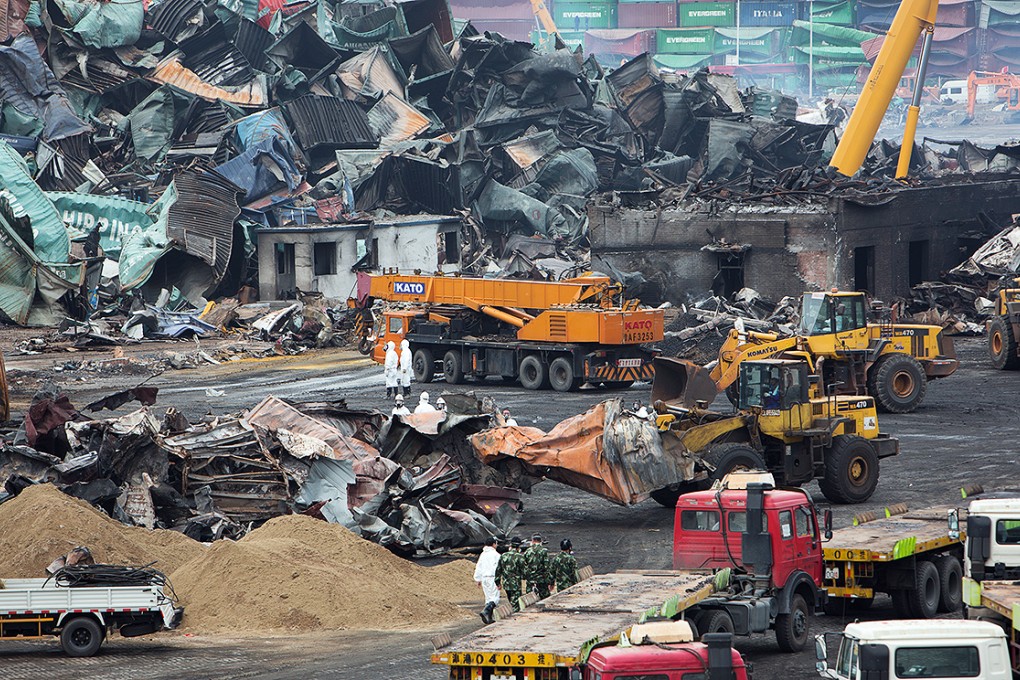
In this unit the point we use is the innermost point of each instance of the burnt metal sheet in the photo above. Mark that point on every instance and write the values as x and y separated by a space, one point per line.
394 120
201 220
172 71
273 413
177 19
329 123
253 41
28 84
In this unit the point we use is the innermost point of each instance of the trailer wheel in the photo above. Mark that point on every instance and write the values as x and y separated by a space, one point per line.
81 636
453 371
923 598
533 374
792 628
1002 345
561 375
715 621
851 470
950 581
423 364
897 382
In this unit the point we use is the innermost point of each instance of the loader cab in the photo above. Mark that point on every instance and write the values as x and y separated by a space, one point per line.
773 385
828 313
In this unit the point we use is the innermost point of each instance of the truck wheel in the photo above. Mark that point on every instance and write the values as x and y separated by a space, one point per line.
715 621
897 382
81 636
726 458
951 582
533 374
1002 345
792 628
453 372
923 598
851 470
423 364
561 375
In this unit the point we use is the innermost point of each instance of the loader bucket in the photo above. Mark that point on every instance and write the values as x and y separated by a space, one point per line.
683 382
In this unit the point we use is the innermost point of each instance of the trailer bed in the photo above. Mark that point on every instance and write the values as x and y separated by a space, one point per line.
892 538
1002 597
552 632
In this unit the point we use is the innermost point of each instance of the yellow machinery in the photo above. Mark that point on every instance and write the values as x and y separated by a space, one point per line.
784 424
891 362
1004 329
545 22
913 19
558 334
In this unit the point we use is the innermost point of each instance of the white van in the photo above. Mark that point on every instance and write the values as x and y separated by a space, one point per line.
953 92
932 648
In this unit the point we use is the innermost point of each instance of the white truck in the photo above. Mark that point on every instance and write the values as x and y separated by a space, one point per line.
939 648
82 615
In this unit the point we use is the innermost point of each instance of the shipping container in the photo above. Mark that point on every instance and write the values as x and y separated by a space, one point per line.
619 42
492 10
583 16
512 30
647 15
572 39
838 13
696 14
757 45
685 41
767 13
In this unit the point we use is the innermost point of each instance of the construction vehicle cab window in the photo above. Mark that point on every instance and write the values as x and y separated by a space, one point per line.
773 386
822 313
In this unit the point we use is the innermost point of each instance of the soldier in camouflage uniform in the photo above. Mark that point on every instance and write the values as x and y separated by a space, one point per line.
536 568
563 567
510 572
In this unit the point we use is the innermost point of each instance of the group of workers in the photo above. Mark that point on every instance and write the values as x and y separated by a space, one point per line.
518 569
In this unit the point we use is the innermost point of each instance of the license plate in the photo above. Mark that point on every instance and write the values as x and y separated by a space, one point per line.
628 363
831 573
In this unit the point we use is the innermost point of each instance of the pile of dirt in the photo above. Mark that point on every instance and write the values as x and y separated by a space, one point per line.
43 523
296 573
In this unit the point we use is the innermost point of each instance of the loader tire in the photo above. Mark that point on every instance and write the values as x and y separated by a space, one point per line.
1002 345
726 458
923 598
81 636
851 470
950 582
453 370
561 375
423 365
792 628
898 384
668 496
534 374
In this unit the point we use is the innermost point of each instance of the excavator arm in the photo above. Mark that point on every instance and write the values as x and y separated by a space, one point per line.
913 19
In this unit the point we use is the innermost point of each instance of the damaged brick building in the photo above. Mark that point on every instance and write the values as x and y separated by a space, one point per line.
879 242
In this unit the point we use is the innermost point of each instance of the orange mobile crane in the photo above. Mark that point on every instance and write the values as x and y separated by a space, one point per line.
558 334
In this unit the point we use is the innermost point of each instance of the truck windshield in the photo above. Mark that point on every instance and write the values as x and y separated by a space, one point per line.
937 662
846 662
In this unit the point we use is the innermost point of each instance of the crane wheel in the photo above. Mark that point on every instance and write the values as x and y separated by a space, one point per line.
851 470
561 375
1002 344
897 382
423 364
533 373
453 370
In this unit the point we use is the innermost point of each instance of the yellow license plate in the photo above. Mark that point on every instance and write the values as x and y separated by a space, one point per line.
500 660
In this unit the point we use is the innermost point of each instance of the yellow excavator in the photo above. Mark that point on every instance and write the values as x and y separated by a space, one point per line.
890 362
913 19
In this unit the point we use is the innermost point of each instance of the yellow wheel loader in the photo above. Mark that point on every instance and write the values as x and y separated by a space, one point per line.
890 362
1004 330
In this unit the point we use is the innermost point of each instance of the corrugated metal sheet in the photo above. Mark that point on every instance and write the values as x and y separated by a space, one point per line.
12 18
329 122
394 120
201 220
252 41
172 72
23 198
177 19
647 15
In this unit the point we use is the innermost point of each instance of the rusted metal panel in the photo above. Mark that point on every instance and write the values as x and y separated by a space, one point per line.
172 72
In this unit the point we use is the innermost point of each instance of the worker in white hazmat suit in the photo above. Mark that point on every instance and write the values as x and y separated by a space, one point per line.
405 367
423 404
485 576
391 369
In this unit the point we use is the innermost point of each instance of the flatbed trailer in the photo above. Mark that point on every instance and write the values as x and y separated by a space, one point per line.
886 555
551 636
999 602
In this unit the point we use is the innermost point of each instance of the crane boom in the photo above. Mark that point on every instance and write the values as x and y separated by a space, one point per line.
914 18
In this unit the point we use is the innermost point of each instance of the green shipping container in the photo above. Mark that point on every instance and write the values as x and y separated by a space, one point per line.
692 14
571 39
685 40
838 13
581 16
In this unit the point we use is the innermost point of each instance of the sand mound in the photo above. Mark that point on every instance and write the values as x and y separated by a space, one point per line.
297 573
43 523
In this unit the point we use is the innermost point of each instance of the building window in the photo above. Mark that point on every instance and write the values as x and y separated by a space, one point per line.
324 258
864 269
373 255
729 278
450 245
284 258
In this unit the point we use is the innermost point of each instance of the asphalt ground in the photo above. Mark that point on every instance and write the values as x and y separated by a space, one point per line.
965 433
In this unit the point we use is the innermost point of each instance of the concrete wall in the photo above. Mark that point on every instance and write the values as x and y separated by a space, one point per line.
406 245
807 247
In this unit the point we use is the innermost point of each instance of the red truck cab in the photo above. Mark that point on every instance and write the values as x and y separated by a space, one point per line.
709 526
714 657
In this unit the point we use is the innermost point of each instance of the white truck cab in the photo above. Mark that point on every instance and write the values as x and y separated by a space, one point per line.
993 539
931 648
